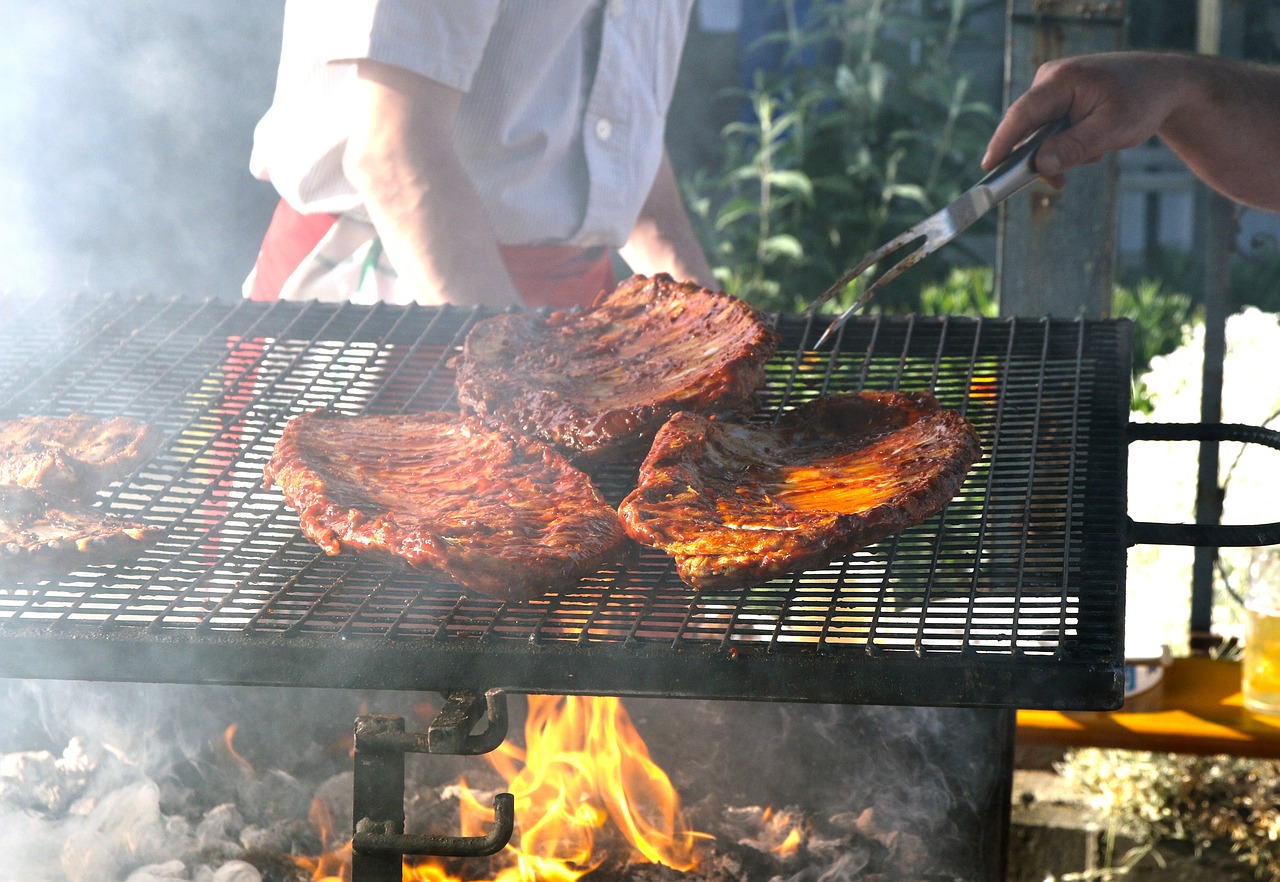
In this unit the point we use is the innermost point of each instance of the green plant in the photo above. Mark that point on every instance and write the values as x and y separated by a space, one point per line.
1160 320
841 155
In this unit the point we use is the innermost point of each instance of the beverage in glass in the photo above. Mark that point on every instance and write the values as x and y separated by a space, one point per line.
1261 672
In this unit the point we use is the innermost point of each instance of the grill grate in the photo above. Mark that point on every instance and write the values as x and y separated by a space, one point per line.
1012 596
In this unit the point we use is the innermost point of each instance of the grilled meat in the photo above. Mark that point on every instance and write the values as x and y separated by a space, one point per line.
739 504
47 463
71 456
599 382
41 537
500 514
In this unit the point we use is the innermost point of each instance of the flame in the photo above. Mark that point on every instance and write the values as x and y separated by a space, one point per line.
228 737
584 768
789 845
333 865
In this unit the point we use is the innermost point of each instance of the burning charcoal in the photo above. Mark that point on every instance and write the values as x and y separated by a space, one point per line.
37 780
272 866
169 871
732 862
295 836
218 834
236 871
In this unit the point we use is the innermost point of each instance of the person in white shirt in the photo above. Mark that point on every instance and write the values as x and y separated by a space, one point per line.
1220 116
472 151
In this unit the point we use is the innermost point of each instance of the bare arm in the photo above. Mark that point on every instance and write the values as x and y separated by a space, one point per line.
663 239
432 224
1221 117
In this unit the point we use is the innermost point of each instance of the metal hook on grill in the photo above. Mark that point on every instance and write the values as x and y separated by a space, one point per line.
449 733
378 840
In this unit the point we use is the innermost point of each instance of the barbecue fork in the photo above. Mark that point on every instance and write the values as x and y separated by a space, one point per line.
1011 176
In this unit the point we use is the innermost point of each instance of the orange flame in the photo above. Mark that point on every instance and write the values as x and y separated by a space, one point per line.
584 766
228 737
333 865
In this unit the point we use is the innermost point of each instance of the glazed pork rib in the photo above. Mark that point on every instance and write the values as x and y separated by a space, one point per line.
599 382
739 504
71 456
42 537
499 514
47 465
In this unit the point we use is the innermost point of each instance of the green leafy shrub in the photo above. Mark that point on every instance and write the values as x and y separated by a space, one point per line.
842 155
1160 320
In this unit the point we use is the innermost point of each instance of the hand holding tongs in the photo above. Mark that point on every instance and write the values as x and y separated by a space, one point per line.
1011 176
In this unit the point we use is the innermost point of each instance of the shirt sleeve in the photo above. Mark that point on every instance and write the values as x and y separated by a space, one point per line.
443 40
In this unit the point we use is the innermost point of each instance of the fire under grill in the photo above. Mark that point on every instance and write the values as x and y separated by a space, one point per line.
1013 596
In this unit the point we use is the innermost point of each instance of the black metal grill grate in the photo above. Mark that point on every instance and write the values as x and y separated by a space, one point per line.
1013 596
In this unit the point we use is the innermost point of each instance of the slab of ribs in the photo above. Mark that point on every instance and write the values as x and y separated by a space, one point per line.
50 467
599 382
738 504
499 513
659 373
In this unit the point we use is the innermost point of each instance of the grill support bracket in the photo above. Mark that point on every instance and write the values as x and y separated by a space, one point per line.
379 841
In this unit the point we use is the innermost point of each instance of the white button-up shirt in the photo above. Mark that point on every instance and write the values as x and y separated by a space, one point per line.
558 154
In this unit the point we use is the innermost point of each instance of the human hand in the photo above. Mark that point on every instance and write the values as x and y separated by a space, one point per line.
1114 101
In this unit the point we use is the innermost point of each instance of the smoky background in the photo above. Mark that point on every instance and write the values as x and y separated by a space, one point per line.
125 131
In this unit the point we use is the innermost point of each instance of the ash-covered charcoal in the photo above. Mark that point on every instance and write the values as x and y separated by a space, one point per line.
39 781
273 866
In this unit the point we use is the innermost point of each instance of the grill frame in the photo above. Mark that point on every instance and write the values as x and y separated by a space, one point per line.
233 594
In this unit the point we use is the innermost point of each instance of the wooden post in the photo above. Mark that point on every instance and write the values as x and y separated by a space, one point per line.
1055 252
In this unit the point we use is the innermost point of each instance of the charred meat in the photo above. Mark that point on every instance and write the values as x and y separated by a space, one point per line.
599 382
41 537
500 514
739 504
71 456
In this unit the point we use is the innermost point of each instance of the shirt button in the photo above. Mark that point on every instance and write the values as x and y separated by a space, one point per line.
604 129
616 8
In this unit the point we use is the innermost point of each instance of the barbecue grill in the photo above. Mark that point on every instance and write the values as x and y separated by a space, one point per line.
1011 597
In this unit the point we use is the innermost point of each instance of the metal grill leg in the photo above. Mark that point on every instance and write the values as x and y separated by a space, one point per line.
379 841
378 798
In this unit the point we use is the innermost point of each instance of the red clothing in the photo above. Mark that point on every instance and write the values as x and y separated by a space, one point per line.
558 276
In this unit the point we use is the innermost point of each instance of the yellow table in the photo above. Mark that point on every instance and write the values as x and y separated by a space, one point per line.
1201 712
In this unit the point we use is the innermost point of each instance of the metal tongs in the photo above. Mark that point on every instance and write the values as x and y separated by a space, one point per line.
1011 176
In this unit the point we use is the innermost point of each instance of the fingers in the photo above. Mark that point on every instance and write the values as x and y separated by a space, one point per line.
1036 107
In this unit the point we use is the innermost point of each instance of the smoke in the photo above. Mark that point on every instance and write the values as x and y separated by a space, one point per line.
125 131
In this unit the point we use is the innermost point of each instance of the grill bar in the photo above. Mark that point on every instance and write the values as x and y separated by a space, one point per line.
1010 597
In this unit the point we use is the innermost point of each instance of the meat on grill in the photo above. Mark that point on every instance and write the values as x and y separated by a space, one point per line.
739 504
47 464
71 456
500 514
41 537
599 382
